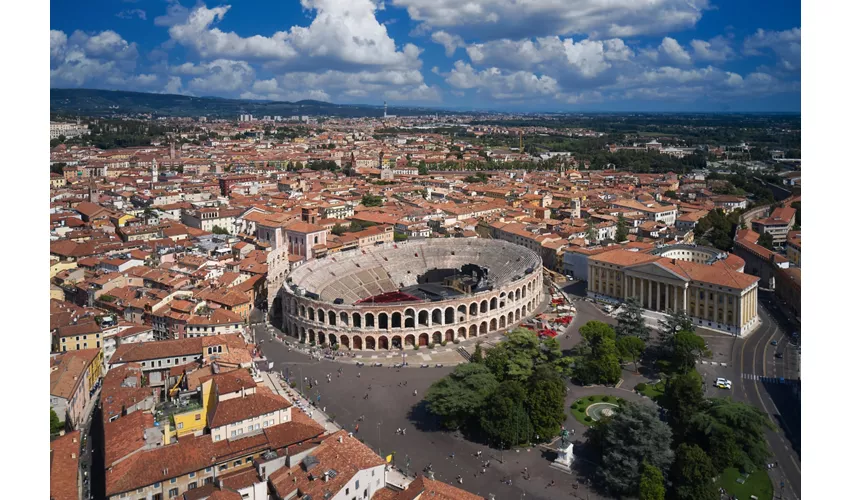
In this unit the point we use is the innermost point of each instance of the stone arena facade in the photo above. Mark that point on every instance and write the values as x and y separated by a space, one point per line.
517 291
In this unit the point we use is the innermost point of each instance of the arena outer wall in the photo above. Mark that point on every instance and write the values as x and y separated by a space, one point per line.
406 324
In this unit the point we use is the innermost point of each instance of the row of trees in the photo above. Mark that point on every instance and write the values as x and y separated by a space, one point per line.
639 454
514 395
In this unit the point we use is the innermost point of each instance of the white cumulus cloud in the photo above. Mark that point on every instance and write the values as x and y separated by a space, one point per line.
491 19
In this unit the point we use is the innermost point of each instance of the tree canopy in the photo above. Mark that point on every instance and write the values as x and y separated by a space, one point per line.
56 425
692 474
732 433
651 483
510 394
634 435
630 322
599 361
461 395
622 229
630 348
372 200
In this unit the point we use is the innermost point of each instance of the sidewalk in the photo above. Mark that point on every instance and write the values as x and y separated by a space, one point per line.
273 381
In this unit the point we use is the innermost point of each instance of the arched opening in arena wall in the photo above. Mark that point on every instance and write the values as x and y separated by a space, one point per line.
358 343
450 315
409 341
437 317
370 343
383 321
396 323
343 339
383 343
450 335
423 339
437 337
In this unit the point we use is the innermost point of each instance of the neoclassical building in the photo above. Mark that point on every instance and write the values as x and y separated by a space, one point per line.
707 284
419 292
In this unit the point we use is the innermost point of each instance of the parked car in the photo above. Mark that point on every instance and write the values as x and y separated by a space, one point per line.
424 365
773 342
779 355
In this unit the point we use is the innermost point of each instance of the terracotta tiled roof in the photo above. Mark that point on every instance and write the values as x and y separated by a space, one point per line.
144 351
344 454
246 407
126 435
64 466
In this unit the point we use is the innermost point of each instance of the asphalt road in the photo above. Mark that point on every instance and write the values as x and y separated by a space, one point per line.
758 385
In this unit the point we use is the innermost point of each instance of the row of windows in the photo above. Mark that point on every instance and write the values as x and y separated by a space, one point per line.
158 362
85 337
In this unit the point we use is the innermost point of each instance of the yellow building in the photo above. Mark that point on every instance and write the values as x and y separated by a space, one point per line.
76 337
717 295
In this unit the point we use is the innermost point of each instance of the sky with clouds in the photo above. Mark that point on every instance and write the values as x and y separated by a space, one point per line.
513 55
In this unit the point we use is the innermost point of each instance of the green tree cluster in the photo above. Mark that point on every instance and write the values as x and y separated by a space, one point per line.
599 361
766 240
514 394
56 425
622 233
630 440
370 200
717 229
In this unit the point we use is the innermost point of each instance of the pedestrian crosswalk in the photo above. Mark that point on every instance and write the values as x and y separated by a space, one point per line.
769 380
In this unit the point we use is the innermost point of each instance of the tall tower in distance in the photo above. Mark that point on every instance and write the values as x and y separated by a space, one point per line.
385 109
154 172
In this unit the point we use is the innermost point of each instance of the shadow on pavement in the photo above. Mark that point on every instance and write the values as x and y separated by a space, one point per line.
422 419
789 411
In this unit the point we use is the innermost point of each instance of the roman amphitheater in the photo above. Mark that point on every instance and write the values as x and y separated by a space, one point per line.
419 292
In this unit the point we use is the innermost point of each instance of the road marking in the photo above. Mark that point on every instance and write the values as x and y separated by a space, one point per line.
758 394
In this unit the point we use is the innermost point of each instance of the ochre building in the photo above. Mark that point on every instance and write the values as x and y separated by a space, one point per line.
710 286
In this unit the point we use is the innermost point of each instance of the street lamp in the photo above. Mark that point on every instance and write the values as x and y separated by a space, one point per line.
379 440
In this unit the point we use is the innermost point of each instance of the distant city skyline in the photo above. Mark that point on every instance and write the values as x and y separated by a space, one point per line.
554 56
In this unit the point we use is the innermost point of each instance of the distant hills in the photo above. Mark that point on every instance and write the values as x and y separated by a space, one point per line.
92 102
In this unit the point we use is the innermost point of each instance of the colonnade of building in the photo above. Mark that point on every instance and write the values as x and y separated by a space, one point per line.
709 305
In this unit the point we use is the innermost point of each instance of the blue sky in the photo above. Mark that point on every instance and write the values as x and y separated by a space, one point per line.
515 55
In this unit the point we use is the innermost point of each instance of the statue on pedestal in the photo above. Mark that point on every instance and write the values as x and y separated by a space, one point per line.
565 451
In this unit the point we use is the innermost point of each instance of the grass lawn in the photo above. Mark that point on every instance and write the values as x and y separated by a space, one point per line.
581 405
757 484
653 391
